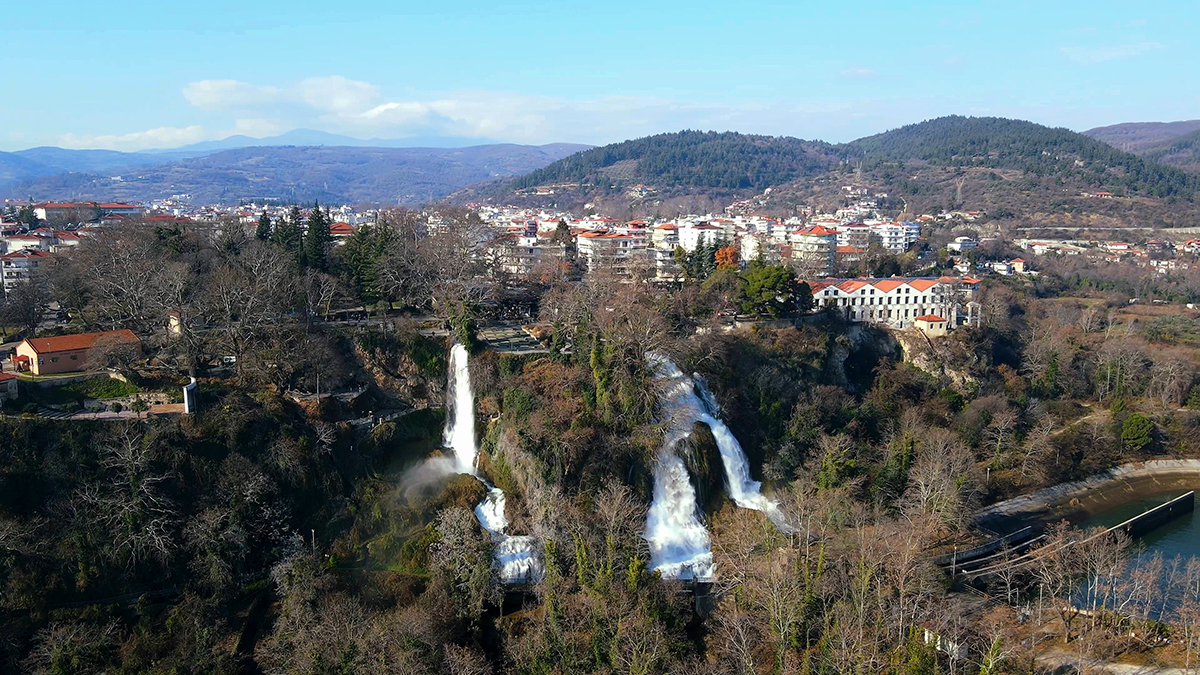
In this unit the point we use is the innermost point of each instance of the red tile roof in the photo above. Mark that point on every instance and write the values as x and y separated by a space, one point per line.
929 317
7 376
66 343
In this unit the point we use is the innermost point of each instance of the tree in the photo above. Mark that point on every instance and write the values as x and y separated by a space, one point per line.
727 258
287 234
28 216
1136 431
263 233
316 240
770 290
21 308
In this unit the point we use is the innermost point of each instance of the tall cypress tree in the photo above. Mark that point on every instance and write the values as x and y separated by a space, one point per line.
317 239
263 233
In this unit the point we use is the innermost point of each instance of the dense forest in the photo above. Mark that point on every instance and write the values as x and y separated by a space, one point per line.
694 159
1000 143
277 531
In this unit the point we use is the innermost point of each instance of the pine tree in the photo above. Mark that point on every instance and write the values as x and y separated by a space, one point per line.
263 233
316 240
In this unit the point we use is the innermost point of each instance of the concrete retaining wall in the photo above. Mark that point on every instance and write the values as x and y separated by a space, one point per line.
1098 493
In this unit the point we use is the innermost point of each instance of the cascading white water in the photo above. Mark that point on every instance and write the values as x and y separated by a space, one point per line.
679 544
745 492
516 556
677 538
459 435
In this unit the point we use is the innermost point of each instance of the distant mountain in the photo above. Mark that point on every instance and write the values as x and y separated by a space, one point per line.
1181 151
25 165
409 176
312 137
1136 137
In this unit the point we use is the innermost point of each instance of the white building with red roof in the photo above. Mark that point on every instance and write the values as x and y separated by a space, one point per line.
896 302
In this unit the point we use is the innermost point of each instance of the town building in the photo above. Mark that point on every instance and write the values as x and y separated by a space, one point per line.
897 302
8 387
813 250
19 267
931 325
72 353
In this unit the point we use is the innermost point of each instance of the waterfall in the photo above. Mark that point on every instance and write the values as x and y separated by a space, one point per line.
677 538
459 435
679 544
744 492
516 556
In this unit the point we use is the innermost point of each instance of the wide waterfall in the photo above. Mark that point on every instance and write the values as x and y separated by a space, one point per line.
516 556
679 544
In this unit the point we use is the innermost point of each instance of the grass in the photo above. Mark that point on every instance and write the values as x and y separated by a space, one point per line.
96 388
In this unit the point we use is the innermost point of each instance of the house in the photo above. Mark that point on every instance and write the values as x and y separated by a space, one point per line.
8 387
931 325
72 353
961 244
343 231
1018 265
84 211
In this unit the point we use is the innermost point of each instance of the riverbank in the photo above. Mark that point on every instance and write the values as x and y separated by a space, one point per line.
1080 500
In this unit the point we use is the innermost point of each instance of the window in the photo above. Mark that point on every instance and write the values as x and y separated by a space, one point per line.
53 359
74 357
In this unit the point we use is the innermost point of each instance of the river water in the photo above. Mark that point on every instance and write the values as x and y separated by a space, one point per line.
1180 536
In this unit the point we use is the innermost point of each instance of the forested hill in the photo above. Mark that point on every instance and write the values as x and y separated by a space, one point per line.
998 143
695 159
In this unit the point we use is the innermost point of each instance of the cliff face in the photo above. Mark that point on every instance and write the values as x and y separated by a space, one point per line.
854 354
943 357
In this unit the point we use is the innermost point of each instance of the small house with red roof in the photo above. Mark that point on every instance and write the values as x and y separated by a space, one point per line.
72 353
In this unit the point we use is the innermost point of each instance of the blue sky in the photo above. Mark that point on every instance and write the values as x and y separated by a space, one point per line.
139 74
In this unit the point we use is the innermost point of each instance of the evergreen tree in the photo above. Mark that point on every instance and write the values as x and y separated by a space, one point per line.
263 233
287 231
316 240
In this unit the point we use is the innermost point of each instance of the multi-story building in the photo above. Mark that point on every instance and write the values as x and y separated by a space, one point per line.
896 237
813 250
693 236
601 250
897 302
19 266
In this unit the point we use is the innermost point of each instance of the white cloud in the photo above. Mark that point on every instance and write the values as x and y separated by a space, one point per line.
346 106
159 137
225 94
1090 56
859 73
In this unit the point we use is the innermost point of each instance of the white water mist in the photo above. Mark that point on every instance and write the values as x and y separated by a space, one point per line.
516 556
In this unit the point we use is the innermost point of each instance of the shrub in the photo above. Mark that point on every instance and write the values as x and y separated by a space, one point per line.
1135 432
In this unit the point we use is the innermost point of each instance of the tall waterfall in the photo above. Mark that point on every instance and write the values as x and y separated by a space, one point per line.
679 544
516 556
678 541
459 434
